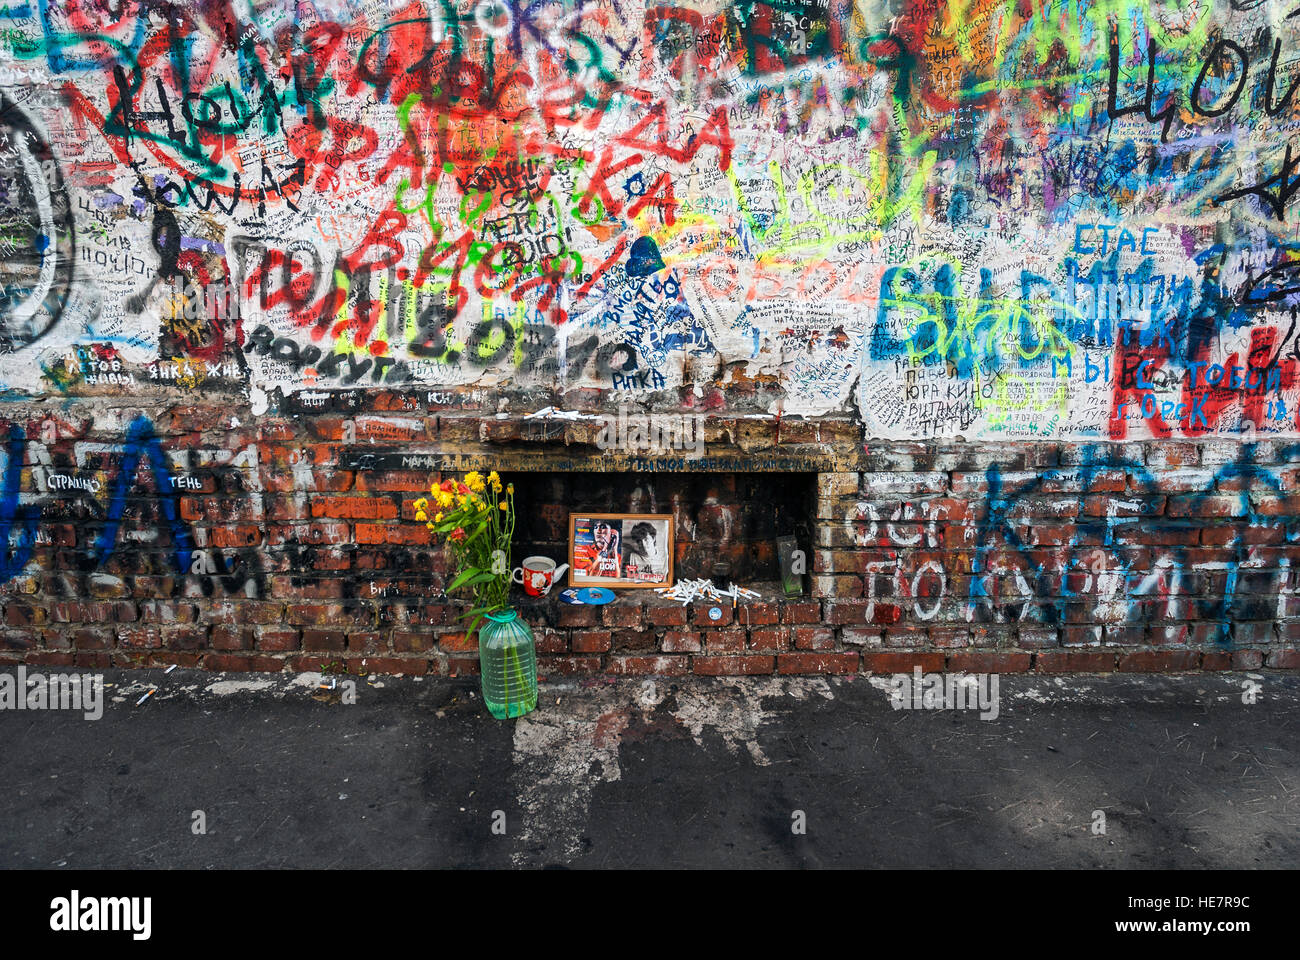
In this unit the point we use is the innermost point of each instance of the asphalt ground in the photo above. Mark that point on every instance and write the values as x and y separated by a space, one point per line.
213 771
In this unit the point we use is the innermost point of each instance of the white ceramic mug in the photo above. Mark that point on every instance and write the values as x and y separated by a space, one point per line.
538 575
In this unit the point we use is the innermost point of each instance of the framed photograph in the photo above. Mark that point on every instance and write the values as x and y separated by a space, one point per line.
620 550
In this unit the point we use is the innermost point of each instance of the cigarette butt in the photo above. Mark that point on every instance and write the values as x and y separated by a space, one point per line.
170 669
146 696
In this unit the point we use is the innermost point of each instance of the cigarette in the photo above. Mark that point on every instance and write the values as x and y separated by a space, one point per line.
146 696
170 669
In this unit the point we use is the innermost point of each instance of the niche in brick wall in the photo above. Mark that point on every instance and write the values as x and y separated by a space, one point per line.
724 524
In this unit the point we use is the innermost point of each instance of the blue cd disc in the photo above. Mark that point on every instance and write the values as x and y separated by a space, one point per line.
595 595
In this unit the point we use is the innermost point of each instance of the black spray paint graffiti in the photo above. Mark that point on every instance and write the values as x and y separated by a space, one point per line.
99 537
37 233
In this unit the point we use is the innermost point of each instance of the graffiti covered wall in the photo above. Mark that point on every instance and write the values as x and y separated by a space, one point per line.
1016 281
969 219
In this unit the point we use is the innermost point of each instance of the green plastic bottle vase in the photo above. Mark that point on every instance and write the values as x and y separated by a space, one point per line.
508 665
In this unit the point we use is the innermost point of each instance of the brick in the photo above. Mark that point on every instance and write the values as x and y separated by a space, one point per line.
666 616
837 484
455 643
592 641
399 666
276 639
567 666
368 642
857 612
43 658
571 615
355 508
167 611
812 638
759 614
141 637
983 661
724 641
228 637
949 637
1253 633
659 666
1074 635
837 585
700 613
817 663
1126 634
24 615
770 638
1247 659
1216 660
1075 661
733 666
93 639
223 662
317 614
883 662
1168 634
1159 661
551 641
1283 659
323 641
621 614
681 641
625 640
862 636
801 611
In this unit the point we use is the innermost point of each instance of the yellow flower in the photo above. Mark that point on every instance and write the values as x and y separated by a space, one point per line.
510 489
474 481
493 477
437 518
504 506
421 515
422 504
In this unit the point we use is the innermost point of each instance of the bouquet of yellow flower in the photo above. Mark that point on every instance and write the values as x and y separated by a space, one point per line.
477 523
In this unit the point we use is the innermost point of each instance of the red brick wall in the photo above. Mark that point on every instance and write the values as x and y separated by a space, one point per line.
202 535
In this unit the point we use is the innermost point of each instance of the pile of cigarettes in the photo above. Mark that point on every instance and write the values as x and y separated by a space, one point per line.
687 591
